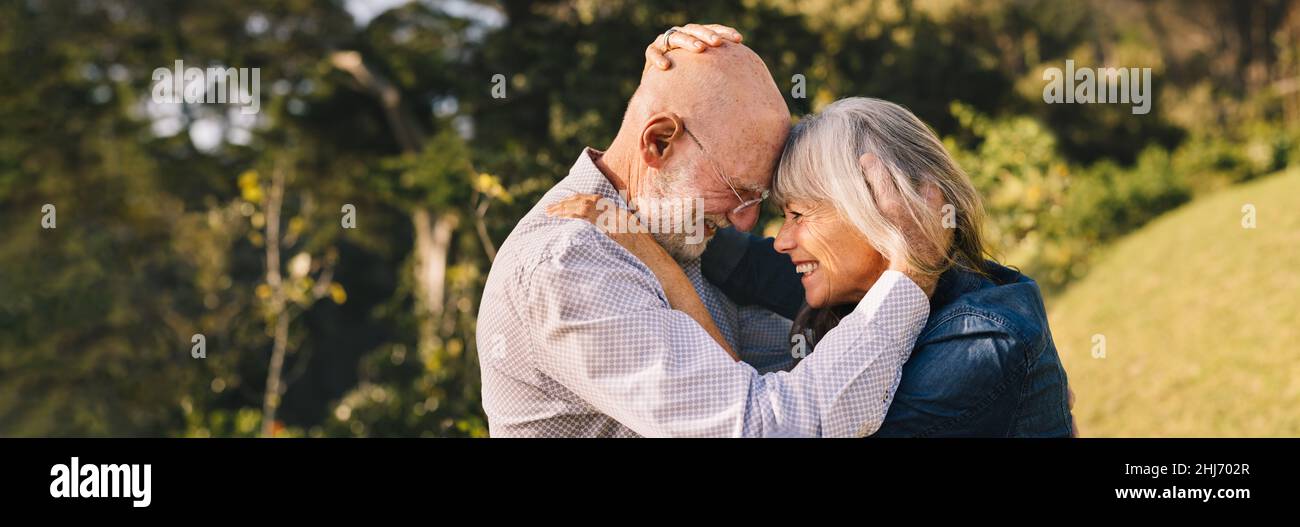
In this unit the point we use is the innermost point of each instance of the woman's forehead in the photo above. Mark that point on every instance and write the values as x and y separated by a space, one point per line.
804 205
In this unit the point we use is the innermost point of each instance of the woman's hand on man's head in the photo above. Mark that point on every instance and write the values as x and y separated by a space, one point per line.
693 37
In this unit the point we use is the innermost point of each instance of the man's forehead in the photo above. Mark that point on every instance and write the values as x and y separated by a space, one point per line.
757 169
754 186
760 154
749 147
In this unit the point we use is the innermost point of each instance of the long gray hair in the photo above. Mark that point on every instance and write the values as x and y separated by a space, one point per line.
820 164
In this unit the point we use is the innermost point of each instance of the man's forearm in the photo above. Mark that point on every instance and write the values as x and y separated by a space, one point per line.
856 369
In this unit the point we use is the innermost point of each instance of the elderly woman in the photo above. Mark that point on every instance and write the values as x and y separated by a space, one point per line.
985 364
866 187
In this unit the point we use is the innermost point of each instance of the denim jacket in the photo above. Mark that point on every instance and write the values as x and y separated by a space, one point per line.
983 366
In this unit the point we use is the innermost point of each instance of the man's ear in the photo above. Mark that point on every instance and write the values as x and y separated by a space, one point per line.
661 132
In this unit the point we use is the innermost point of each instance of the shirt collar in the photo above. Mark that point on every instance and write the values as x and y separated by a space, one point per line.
586 178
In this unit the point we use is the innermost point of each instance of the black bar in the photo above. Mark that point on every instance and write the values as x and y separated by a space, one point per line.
323 476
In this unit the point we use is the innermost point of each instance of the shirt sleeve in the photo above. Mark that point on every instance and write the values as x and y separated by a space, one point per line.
604 330
763 339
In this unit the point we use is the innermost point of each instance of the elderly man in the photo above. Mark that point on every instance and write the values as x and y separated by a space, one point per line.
577 337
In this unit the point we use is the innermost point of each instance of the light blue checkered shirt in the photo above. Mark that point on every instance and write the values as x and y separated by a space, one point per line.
576 339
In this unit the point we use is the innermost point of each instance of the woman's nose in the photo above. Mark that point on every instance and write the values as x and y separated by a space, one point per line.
784 241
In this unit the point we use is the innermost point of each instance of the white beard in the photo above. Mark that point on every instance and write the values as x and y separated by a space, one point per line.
682 246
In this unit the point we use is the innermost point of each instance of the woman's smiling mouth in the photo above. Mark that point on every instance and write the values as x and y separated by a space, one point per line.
806 268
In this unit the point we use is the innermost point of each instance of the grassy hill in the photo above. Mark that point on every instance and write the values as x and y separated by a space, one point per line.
1201 320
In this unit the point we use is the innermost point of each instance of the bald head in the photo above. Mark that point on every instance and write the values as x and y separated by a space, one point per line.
724 93
715 119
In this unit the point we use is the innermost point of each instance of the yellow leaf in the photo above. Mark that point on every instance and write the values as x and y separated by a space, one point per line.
249 188
491 186
248 178
337 293
251 194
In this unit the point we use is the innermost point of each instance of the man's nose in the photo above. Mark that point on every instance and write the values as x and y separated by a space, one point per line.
744 220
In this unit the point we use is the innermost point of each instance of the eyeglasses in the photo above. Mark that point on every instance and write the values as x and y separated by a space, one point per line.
744 203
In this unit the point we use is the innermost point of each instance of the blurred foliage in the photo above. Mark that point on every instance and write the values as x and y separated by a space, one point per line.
1047 214
161 209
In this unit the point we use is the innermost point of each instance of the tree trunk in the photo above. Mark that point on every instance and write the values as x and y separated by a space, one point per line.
432 243
279 308
432 235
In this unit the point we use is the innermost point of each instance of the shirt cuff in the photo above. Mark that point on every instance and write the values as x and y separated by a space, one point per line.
890 281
